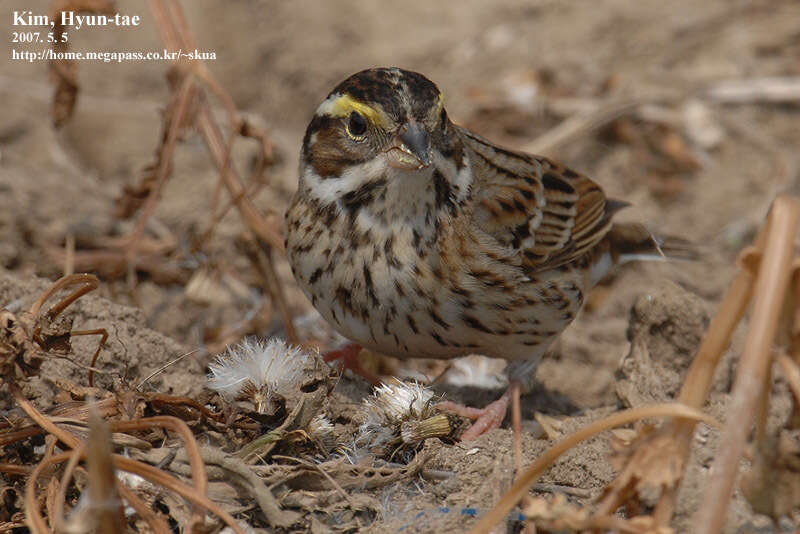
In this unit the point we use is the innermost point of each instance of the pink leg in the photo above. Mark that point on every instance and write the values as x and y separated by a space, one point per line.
349 358
491 416
486 419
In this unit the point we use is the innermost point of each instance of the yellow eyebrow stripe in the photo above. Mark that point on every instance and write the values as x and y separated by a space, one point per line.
343 105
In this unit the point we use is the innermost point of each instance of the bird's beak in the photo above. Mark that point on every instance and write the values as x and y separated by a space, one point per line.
411 149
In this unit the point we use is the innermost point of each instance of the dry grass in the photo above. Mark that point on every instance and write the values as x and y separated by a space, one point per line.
88 486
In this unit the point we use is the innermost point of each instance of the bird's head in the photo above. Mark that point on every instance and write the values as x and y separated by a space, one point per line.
380 128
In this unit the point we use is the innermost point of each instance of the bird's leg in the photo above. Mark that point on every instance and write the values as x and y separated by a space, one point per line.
349 358
492 415
487 418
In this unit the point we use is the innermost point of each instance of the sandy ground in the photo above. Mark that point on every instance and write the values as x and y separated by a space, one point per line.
707 171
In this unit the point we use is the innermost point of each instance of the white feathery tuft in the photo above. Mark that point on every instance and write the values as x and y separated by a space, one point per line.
267 366
399 401
388 408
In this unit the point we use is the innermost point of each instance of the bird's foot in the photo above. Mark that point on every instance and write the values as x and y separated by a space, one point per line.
348 355
486 418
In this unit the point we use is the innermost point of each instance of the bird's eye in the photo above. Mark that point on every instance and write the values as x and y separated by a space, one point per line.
356 126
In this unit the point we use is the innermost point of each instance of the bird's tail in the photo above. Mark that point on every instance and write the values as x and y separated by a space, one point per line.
633 241
626 242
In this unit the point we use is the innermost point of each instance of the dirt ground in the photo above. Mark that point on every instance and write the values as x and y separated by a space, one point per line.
690 164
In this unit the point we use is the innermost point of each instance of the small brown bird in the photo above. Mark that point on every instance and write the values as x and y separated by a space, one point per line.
415 237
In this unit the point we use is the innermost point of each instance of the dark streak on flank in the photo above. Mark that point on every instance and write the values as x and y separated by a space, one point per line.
370 288
476 324
389 244
344 297
458 290
438 319
412 324
438 339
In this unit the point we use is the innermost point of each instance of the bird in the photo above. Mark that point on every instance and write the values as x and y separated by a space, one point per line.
417 238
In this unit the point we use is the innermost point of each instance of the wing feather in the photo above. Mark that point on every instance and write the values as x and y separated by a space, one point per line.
550 214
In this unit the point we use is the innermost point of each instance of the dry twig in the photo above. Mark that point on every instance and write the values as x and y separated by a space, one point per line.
771 287
25 336
65 71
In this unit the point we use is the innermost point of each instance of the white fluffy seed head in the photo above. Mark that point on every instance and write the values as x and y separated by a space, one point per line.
258 369
399 401
383 413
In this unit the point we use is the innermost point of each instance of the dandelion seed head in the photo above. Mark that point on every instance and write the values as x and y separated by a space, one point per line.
259 369
398 401
391 404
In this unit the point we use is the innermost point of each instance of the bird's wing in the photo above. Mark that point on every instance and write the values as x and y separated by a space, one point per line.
549 214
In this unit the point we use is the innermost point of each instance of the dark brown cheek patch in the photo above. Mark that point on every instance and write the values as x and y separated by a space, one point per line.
331 154
326 158
327 167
